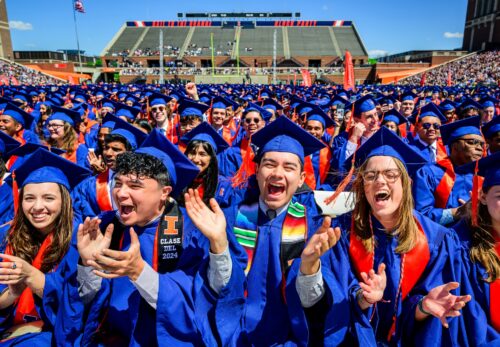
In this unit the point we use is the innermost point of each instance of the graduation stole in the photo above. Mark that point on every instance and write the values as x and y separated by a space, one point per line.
72 157
413 265
247 167
25 305
226 135
20 137
102 192
200 186
325 156
495 294
443 190
293 235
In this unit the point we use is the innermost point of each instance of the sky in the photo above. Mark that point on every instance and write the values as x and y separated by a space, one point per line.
385 26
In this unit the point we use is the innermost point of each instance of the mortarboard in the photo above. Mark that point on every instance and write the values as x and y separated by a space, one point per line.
428 110
220 102
126 111
7 144
283 135
20 116
488 101
134 136
191 108
394 116
266 115
319 115
363 104
44 166
469 103
271 104
447 105
182 173
453 131
158 99
66 115
491 128
408 96
205 132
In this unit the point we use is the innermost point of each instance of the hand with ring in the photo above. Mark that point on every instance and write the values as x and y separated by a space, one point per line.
15 272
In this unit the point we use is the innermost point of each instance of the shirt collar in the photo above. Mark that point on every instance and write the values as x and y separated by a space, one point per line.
264 207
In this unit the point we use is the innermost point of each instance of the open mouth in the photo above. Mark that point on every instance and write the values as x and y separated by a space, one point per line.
39 217
275 189
126 210
382 196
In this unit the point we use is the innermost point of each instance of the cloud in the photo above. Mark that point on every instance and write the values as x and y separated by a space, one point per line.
325 8
377 53
456 35
20 25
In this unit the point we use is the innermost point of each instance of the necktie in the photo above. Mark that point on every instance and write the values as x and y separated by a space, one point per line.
271 214
432 154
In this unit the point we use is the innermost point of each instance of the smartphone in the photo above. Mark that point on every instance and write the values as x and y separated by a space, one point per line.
340 111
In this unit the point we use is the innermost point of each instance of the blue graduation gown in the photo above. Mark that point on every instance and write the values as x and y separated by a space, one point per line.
128 314
30 136
475 319
418 146
444 266
339 147
85 199
266 319
230 161
7 201
426 181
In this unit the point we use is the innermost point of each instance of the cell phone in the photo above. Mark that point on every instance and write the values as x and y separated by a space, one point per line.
340 111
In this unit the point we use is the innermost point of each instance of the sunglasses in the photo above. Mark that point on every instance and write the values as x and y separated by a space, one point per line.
427 126
252 120
158 109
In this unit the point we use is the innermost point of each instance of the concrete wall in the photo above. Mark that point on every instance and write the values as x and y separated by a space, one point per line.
6 50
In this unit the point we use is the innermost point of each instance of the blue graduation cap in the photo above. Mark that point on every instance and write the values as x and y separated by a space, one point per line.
394 116
44 166
126 111
191 108
408 96
488 167
271 104
386 143
134 136
491 128
488 101
265 114
453 131
220 102
447 105
158 99
66 115
7 144
337 100
21 96
428 110
283 135
20 116
469 103
205 132
364 104
319 115
182 173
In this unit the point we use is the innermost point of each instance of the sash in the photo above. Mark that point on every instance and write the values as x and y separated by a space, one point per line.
20 137
443 190
71 157
102 192
325 156
226 135
181 146
413 265
25 305
293 236
495 295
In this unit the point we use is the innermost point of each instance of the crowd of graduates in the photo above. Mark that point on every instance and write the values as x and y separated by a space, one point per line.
249 215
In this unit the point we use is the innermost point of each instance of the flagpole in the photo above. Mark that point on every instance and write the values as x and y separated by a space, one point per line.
76 34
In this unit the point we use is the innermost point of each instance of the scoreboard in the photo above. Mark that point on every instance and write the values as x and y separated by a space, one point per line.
240 15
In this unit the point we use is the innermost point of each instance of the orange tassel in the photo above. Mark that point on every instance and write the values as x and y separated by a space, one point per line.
349 121
15 192
247 168
477 183
341 187
416 122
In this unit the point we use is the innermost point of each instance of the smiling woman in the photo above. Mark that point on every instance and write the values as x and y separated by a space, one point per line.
38 238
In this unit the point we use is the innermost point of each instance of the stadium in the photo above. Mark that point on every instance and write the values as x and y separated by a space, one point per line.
329 177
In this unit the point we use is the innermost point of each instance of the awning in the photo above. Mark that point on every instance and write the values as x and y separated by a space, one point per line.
392 77
67 76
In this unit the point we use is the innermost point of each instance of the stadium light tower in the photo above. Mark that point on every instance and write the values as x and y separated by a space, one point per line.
274 55
162 75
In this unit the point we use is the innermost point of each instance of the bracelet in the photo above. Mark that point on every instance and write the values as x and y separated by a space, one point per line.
421 307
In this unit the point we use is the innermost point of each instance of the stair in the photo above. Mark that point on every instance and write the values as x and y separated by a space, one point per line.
286 43
237 35
335 43
139 40
186 43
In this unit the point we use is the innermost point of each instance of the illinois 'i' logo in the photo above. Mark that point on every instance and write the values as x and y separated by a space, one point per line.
171 228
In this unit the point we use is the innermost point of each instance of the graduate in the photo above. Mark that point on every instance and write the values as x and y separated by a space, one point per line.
190 116
135 284
427 121
204 145
61 125
441 189
417 254
93 195
218 117
17 123
392 119
480 236
34 243
287 301
162 116
317 165
491 132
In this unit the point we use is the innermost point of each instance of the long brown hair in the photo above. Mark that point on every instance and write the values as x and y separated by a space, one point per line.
482 249
406 227
69 139
25 240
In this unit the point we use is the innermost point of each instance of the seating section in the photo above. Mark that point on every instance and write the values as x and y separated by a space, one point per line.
314 41
348 40
200 42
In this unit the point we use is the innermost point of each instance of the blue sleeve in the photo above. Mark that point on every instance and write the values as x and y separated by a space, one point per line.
6 204
424 186
81 156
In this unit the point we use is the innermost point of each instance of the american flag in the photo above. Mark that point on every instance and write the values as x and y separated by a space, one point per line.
79 6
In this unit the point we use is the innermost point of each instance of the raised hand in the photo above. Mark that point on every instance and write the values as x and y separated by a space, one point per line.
440 303
372 286
113 264
96 162
192 90
324 239
357 132
210 221
18 274
90 239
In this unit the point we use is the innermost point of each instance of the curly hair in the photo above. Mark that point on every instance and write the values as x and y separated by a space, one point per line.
26 241
482 248
144 166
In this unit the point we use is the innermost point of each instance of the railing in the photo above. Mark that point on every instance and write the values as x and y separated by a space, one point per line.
227 71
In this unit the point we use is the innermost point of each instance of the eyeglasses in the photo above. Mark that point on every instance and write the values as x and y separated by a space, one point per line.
252 120
54 126
390 175
427 126
158 109
473 142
